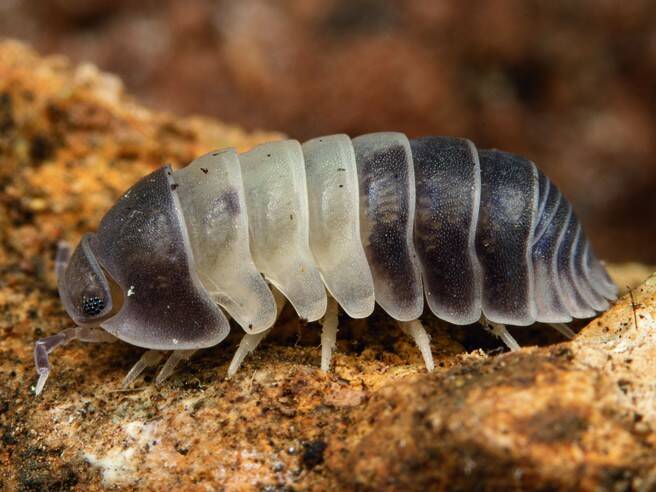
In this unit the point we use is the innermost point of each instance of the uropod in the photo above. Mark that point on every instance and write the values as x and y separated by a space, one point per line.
477 235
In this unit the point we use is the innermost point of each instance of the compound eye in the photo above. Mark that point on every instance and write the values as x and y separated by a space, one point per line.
84 288
92 306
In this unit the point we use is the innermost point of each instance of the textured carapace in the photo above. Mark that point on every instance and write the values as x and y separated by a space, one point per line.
479 234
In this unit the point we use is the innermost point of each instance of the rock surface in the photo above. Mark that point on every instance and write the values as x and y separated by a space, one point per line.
578 415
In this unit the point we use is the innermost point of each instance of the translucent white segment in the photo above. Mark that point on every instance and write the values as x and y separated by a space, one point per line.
386 180
213 204
332 181
277 204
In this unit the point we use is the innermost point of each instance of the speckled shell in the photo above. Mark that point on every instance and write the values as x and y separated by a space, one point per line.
377 219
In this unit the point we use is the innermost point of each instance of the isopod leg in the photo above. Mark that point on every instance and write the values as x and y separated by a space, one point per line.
565 330
148 359
418 333
500 331
329 325
249 342
171 363
46 345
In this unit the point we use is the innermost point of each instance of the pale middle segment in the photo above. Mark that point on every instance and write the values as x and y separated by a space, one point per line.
211 193
277 204
332 180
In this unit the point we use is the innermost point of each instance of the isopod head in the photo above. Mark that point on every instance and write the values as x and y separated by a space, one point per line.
135 277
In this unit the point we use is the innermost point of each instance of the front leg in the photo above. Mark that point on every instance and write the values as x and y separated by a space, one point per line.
46 345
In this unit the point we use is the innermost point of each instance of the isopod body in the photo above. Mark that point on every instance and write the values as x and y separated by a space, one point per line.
478 234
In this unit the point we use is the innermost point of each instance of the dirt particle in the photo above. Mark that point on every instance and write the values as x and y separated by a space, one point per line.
183 450
624 385
313 453
41 148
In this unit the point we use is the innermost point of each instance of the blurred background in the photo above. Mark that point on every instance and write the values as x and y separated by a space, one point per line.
569 84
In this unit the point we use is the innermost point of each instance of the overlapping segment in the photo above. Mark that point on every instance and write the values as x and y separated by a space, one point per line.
277 205
595 300
492 234
576 304
213 203
387 209
597 276
447 175
335 223
549 303
560 250
504 236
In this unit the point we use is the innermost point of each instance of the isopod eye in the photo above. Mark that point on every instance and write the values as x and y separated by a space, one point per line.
83 287
92 306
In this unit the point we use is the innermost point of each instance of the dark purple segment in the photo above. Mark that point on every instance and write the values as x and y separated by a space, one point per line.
549 199
447 177
550 307
141 242
504 236
386 181
544 186
577 305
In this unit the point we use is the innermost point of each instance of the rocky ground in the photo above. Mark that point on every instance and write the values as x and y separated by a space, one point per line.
576 415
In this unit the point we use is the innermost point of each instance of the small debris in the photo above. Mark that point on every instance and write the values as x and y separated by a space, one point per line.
313 453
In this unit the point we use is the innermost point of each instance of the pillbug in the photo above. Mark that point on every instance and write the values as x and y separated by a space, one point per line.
477 235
